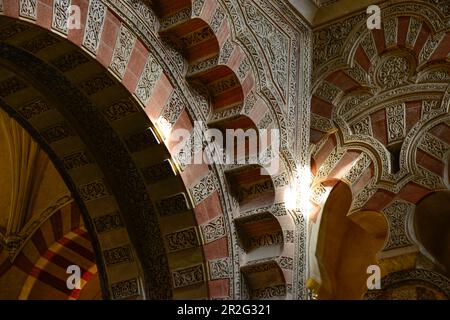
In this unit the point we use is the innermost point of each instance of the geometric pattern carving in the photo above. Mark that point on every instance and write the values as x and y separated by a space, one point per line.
429 46
397 214
93 190
125 289
268 292
217 19
120 110
226 51
39 43
149 77
122 52
429 179
139 141
76 160
158 172
364 195
369 46
434 146
173 205
204 188
108 222
61 15
413 31
11 86
263 240
394 71
188 276
118 255
363 127
273 41
97 83
219 268
34 108
318 194
94 25
28 9
286 263
327 91
390 31
320 123
431 108
333 158
70 61
213 230
56 133
357 169
171 111
289 236
396 123
182 240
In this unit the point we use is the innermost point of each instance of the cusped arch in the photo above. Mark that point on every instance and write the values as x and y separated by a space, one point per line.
343 246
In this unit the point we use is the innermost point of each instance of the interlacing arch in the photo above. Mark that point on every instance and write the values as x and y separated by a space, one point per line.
104 100
380 122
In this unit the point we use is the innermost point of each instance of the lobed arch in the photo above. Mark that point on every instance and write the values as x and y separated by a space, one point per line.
429 20
363 105
343 246
349 83
354 163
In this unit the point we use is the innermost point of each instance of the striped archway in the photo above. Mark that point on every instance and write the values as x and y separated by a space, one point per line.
105 101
